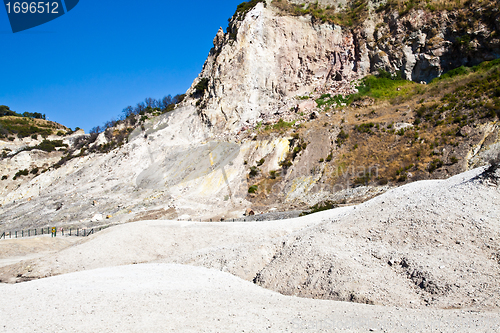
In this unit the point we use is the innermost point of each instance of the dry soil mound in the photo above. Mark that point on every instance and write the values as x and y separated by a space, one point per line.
427 243
431 243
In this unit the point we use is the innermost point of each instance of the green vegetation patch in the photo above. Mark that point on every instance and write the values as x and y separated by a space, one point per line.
281 124
244 7
48 145
253 189
404 7
478 98
352 15
319 207
365 128
24 127
20 173
327 99
382 86
201 87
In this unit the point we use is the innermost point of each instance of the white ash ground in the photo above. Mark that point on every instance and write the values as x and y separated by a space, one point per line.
431 246
180 298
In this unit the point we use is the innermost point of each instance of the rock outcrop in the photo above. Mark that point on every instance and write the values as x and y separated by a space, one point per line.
256 70
255 73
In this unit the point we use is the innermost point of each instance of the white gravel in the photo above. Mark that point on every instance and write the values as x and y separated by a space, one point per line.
178 298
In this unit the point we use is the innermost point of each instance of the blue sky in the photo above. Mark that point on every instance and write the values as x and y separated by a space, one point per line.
84 67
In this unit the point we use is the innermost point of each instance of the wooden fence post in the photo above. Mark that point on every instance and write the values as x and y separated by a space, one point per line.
3 235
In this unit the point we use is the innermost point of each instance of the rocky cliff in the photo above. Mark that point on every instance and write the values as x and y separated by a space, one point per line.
274 54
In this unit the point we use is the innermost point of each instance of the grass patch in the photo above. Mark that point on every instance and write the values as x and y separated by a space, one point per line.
25 127
322 206
334 101
382 86
281 124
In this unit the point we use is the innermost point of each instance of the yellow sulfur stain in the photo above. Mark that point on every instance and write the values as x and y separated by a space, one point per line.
300 186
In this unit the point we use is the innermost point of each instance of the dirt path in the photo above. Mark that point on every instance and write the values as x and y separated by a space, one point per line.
13 251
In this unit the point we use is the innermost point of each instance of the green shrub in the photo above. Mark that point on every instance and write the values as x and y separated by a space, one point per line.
363 180
273 174
382 181
434 165
253 189
201 86
254 171
341 138
365 128
401 132
5 177
285 164
259 163
48 146
20 173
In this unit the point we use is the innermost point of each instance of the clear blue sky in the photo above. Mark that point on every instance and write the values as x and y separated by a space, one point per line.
83 68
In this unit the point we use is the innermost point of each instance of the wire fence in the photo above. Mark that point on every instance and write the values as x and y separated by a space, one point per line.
54 232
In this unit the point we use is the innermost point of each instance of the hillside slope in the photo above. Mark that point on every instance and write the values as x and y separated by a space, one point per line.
282 117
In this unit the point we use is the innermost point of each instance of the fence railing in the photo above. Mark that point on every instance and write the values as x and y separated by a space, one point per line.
54 232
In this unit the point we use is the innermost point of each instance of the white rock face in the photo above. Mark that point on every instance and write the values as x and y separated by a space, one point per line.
101 140
257 69
172 168
273 60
